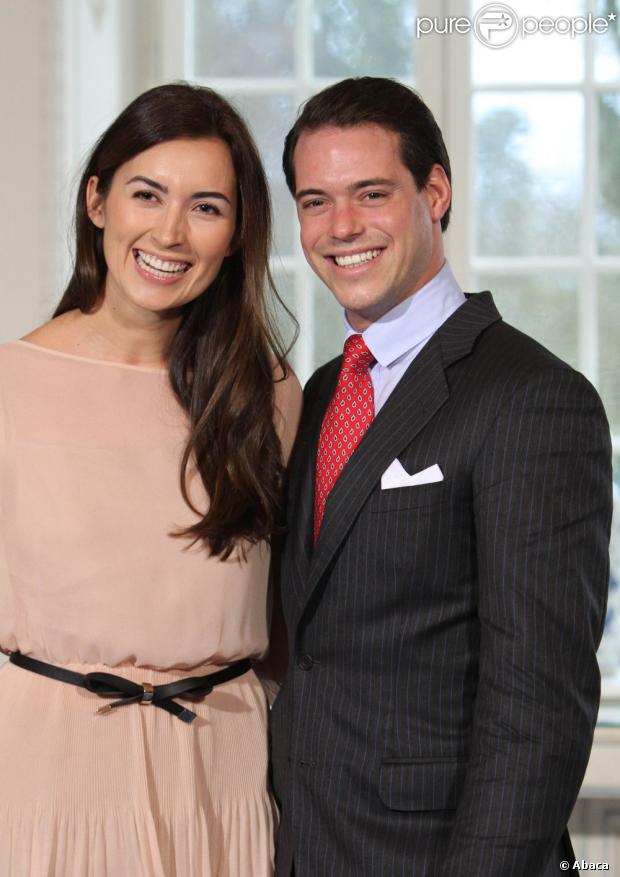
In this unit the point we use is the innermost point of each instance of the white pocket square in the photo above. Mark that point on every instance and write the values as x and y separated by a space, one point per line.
395 476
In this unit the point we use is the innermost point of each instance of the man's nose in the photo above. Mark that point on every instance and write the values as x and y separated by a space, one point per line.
346 222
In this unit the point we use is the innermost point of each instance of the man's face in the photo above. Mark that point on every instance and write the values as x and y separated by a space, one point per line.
367 232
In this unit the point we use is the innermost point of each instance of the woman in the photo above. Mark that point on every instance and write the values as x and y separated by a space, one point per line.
157 384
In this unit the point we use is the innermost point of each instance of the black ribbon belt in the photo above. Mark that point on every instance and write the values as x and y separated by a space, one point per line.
110 685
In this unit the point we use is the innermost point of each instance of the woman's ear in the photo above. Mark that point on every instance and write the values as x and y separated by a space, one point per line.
232 248
235 243
94 203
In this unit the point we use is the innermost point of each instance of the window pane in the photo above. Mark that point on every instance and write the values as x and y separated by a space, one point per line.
543 305
527 58
244 38
607 46
270 117
608 213
374 38
329 325
285 284
609 328
529 155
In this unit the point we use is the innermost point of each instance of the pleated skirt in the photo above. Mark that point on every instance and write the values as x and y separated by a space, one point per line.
135 792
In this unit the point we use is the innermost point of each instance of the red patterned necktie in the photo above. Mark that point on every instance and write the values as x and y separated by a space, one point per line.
348 416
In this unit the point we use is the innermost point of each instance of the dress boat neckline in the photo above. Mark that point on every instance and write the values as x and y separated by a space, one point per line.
110 362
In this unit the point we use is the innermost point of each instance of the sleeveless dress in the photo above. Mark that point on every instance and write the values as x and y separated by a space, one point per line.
91 579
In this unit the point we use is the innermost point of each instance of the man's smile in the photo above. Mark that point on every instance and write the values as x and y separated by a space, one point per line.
352 260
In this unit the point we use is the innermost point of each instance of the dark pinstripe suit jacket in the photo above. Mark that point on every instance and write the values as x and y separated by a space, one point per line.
443 688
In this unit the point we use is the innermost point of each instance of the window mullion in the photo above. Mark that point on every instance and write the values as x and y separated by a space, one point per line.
455 121
588 299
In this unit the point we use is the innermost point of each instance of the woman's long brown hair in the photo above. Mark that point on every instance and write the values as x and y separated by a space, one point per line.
221 361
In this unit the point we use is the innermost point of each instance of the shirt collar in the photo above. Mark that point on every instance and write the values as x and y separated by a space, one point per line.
414 320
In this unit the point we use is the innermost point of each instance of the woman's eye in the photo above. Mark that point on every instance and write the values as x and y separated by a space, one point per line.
209 209
144 196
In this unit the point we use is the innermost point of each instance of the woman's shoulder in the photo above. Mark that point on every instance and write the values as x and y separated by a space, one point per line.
27 372
288 399
24 357
14 360
20 379
60 334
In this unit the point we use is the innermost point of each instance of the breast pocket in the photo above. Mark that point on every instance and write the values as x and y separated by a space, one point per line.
421 784
418 496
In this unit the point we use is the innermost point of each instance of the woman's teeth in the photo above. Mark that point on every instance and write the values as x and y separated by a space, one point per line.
159 268
356 258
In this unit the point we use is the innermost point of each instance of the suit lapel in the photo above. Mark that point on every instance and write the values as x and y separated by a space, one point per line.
301 484
419 394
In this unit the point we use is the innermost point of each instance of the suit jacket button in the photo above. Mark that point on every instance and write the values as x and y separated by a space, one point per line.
305 662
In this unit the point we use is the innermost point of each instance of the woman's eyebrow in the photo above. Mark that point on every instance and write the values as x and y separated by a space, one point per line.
164 189
219 195
152 183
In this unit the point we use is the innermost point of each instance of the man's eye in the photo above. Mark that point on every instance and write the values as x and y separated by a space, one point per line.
316 202
374 196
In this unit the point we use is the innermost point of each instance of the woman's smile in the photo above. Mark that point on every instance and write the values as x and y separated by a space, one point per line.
158 269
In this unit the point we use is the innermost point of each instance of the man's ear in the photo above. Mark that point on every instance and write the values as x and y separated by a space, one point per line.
94 203
438 191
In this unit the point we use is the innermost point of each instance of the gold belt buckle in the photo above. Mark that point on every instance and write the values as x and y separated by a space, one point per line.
147 697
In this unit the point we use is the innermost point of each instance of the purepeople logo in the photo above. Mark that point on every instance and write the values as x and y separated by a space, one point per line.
497 25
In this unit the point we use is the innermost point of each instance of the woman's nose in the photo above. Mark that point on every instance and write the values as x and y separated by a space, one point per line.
169 231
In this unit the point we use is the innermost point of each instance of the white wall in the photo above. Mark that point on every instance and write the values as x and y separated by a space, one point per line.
67 67
29 149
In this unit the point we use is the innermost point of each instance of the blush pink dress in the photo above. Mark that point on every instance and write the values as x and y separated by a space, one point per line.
91 579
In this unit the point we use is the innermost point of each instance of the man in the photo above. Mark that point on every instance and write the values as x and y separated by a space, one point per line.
445 577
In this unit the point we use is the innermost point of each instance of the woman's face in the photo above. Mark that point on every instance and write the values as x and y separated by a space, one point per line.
168 222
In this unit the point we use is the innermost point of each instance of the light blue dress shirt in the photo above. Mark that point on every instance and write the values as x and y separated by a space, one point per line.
397 337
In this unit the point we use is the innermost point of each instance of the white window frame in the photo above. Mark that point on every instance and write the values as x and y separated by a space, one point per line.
442 78
431 59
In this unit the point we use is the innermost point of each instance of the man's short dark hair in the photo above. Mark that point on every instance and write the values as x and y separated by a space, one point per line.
372 100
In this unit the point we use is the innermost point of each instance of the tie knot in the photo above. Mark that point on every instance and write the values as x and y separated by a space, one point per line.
356 356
